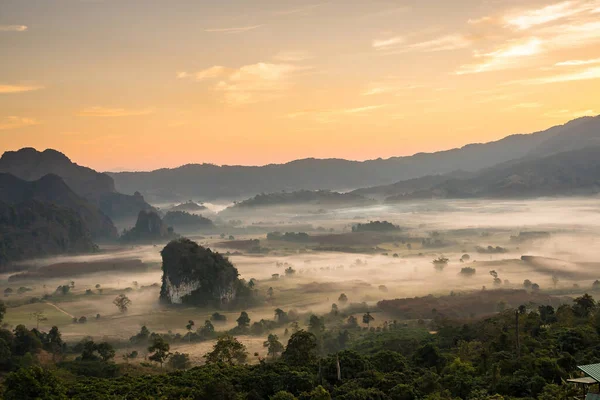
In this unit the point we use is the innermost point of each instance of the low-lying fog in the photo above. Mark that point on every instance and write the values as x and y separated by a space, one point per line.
403 268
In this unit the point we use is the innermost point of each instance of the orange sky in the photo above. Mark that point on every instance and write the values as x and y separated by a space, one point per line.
142 84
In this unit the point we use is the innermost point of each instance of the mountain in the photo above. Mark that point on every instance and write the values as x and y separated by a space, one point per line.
569 173
149 227
98 188
317 197
410 185
52 189
34 229
183 221
210 182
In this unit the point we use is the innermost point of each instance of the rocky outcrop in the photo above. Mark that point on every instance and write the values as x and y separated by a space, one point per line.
197 276
149 227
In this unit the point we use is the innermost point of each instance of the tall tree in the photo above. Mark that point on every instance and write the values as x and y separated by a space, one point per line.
160 350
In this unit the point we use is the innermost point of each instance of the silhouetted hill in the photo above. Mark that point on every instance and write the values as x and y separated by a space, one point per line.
209 182
569 173
149 227
53 190
317 197
189 206
34 229
30 165
183 221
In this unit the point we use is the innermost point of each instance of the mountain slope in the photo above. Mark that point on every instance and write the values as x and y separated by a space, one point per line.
210 182
98 188
53 190
575 172
34 229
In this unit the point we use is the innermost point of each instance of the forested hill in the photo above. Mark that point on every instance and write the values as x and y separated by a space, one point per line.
52 189
98 188
35 229
210 182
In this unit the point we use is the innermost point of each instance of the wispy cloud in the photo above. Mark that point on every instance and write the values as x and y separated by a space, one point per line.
572 63
249 83
239 29
334 115
113 112
506 57
582 75
397 44
215 71
14 122
553 12
482 20
13 28
4 89
389 42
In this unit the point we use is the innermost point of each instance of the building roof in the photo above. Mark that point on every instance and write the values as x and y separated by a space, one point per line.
591 370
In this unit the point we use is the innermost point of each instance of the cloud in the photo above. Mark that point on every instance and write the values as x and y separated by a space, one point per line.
554 12
13 28
333 115
585 74
571 63
293 56
386 43
14 122
233 30
4 89
389 87
249 83
506 57
477 21
112 112
396 44
215 71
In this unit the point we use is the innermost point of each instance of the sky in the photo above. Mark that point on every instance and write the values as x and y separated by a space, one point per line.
145 84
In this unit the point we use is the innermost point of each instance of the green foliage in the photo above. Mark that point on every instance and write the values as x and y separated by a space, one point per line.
301 349
376 226
159 349
273 345
33 383
227 350
179 361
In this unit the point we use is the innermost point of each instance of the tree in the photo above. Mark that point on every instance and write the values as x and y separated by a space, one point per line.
33 383
270 293
316 325
352 322
273 345
280 315
334 309
252 283
180 361
122 302
367 318
227 350
217 317
244 320
584 305
555 280
343 298
208 329
527 284
38 316
301 349
160 349
282 395
189 327
106 351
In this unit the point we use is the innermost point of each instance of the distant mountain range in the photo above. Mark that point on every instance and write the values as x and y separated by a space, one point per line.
210 182
98 188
